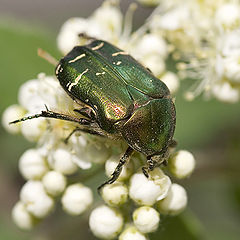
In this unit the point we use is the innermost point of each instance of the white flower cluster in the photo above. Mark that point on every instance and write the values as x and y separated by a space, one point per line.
152 197
205 39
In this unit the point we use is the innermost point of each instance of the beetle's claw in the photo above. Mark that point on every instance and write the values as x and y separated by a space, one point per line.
145 172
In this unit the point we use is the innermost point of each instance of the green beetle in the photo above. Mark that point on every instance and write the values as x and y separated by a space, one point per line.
119 98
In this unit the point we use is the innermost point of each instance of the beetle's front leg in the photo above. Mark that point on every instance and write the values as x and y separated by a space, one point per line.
119 167
152 163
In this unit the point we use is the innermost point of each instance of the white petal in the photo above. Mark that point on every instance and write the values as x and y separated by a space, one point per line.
105 222
76 199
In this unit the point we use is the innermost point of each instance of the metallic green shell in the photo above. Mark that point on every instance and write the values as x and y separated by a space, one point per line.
124 95
151 126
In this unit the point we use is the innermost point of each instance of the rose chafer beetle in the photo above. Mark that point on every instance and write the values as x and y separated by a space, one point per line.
118 98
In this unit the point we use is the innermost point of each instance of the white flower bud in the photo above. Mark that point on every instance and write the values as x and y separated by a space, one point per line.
150 44
109 17
36 200
12 113
229 44
105 222
146 191
155 63
146 219
115 194
33 129
68 35
181 164
32 165
112 163
76 199
228 16
62 161
225 92
29 98
131 233
54 183
171 80
175 201
21 217
96 152
232 69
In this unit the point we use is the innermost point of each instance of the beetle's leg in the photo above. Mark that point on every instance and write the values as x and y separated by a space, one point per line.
151 164
119 167
71 133
86 130
86 112
173 143
50 114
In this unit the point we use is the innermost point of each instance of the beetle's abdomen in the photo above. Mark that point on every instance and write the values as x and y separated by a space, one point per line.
151 126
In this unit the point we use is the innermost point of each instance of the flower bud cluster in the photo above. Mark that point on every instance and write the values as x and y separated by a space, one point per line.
205 36
151 197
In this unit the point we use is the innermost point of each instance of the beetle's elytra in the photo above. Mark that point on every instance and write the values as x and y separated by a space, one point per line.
118 98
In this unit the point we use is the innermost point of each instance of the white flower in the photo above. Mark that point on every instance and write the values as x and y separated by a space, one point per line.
54 183
174 202
68 35
105 222
32 164
150 44
28 96
112 163
76 199
33 130
146 191
131 233
12 113
181 164
61 161
115 194
229 44
232 69
36 200
21 217
146 219
227 16
171 80
225 92
93 152
105 23
174 19
155 63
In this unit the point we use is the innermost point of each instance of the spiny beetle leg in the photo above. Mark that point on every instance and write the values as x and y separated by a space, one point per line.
73 131
50 114
85 130
118 169
86 112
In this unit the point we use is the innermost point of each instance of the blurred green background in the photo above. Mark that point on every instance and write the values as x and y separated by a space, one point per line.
209 129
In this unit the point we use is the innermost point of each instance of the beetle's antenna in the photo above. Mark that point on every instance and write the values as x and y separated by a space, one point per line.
47 56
